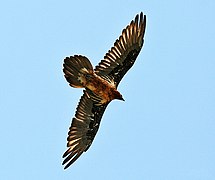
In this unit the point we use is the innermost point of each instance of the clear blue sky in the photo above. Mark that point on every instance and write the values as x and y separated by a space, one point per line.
165 130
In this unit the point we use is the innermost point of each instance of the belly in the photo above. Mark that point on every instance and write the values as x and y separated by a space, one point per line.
101 88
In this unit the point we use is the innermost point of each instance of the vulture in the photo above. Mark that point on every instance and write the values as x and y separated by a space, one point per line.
100 86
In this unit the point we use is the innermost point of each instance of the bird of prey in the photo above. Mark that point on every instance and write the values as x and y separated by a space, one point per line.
100 86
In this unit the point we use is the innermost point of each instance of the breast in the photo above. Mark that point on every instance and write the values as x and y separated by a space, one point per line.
101 88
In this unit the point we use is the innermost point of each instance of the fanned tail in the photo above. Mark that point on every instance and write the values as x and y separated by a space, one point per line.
76 68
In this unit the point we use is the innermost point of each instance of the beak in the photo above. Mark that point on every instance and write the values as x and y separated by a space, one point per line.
122 99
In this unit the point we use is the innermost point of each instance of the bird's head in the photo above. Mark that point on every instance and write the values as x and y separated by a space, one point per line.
117 95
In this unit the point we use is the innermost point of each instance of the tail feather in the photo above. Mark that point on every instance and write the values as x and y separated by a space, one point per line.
75 67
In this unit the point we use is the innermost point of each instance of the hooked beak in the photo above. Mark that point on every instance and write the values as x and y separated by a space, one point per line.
122 99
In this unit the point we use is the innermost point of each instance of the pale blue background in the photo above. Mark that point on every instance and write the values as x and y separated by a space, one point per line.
165 130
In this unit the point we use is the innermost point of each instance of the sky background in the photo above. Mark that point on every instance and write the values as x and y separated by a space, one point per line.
165 130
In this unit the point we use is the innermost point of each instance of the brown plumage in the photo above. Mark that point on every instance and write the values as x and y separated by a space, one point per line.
100 86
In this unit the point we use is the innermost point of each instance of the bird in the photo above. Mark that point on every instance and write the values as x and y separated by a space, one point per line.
100 86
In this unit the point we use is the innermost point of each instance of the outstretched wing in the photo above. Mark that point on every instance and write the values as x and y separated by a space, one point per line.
83 129
123 54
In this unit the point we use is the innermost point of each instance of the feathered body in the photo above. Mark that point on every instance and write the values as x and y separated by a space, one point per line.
100 86
102 90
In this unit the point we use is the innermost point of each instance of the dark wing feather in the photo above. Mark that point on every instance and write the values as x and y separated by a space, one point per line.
83 129
123 54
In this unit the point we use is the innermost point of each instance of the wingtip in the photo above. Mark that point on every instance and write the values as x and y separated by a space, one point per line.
65 167
141 13
142 16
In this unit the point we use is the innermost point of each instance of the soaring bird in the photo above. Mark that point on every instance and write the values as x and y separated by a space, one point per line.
100 86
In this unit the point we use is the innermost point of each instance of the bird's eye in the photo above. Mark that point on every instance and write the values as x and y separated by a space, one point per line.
87 76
